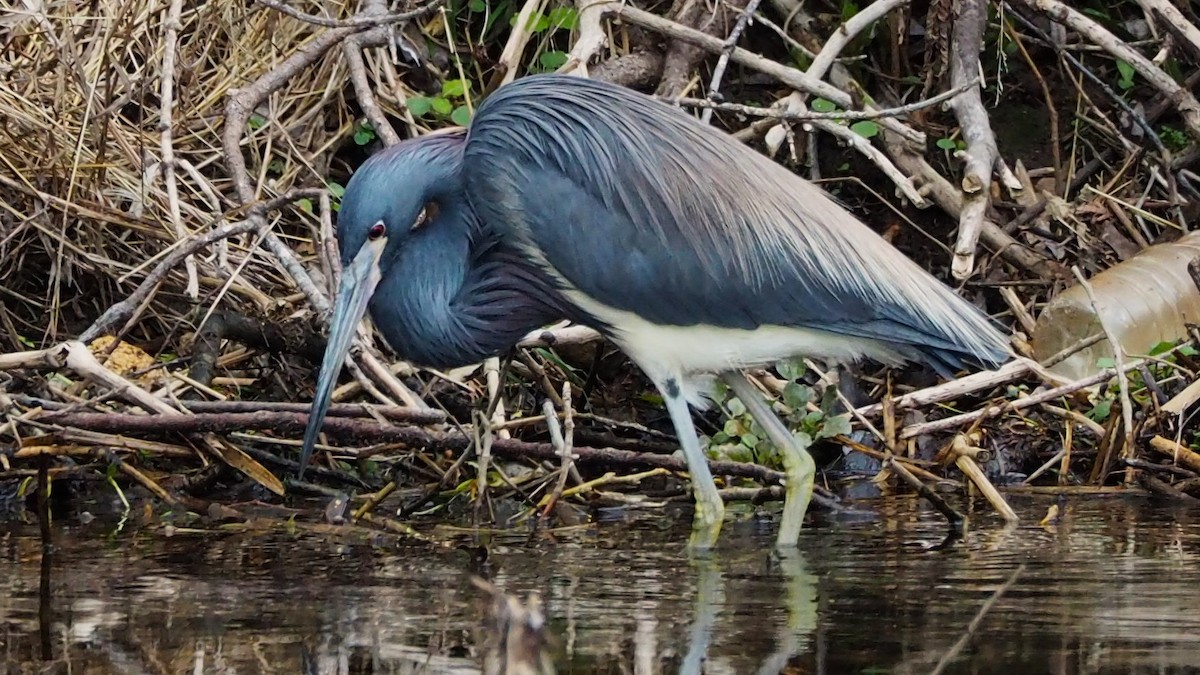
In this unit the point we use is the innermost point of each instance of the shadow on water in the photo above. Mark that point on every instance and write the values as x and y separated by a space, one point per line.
1114 587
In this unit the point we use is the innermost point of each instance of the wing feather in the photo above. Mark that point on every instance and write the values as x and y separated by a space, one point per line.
644 209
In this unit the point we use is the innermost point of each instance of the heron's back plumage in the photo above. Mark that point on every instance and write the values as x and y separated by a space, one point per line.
637 207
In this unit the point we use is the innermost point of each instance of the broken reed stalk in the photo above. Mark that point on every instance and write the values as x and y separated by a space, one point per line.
1178 452
564 440
966 456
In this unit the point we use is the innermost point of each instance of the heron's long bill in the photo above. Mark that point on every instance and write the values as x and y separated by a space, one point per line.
358 283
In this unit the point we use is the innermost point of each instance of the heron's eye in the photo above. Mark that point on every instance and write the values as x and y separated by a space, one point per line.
377 230
428 213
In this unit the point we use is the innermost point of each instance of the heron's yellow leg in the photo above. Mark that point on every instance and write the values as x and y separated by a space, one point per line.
710 508
799 468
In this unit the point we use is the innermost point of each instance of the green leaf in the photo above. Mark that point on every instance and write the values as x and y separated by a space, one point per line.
802 439
419 106
732 428
749 440
792 369
1161 348
564 17
477 6
256 122
838 424
736 407
1102 410
336 189
552 60
1126 71
796 396
304 204
802 61
461 116
865 128
849 9
1187 350
822 105
455 88
829 399
442 106
946 144
364 133
538 23
1106 362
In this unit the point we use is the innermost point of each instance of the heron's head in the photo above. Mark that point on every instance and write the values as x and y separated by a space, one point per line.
389 220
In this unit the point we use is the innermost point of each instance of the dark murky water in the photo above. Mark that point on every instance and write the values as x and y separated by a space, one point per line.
1114 588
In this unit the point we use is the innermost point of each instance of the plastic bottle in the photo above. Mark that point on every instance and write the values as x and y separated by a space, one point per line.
1145 300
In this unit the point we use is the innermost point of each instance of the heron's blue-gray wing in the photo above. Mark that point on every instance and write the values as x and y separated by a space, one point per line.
642 208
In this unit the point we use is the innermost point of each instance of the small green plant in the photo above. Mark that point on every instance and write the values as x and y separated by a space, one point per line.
1101 410
1173 138
337 191
741 438
560 17
545 26
364 133
951 144
1162 366
552 60
450 104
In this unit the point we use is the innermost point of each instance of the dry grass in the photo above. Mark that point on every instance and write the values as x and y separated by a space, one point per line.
87 209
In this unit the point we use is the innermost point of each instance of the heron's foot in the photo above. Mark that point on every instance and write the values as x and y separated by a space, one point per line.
800 470
800 473
710 516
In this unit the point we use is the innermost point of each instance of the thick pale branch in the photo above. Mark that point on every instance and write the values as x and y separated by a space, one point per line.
592 36
981 153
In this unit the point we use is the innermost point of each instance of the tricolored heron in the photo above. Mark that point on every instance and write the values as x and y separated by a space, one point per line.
697 256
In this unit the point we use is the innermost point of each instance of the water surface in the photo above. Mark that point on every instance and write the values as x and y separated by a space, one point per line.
1113 588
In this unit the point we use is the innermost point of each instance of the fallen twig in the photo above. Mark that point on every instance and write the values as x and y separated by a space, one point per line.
287 423
360 21
714 84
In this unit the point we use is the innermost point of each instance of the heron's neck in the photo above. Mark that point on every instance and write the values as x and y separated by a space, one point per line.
504 298
462 296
